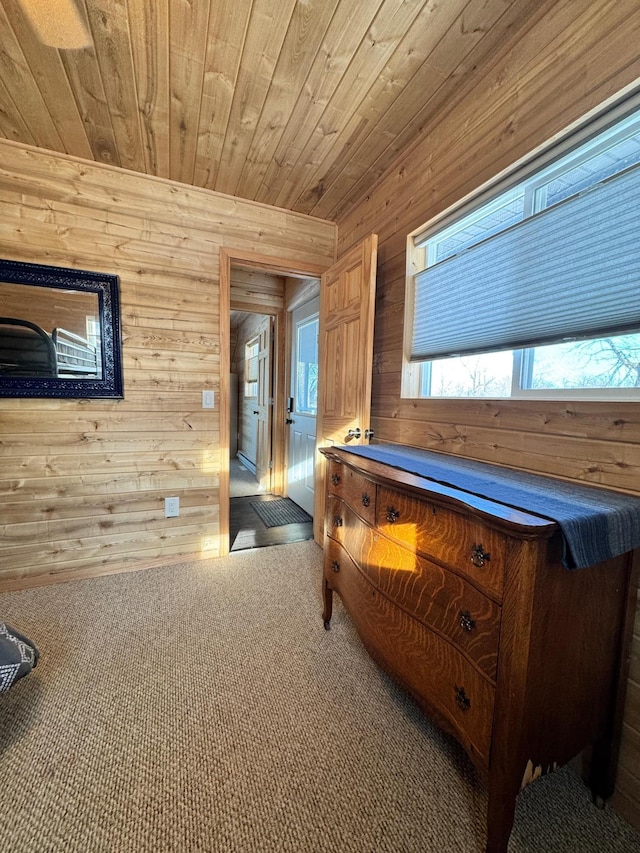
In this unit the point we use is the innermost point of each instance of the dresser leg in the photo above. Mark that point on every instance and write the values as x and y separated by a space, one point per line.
327 593
500 815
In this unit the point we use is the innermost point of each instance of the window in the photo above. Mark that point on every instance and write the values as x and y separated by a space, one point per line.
307 367
94 336
251 368
533 287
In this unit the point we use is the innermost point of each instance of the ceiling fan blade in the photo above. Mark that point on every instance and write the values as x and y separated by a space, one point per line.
57 23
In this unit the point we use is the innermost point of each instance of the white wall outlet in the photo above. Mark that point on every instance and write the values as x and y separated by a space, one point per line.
207 399
171 507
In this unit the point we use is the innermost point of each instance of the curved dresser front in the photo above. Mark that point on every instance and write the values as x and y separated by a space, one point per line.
466 603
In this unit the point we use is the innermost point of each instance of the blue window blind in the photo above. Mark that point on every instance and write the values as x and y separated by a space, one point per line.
570 271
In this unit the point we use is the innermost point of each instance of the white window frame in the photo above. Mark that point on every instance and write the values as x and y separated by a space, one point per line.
250 360
540 169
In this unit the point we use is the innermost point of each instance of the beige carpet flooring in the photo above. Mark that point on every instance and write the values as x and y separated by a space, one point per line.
203 707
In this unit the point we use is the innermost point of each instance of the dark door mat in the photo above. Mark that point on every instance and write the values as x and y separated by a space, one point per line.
280 512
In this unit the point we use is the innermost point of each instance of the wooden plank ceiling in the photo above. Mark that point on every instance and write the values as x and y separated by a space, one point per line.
300 104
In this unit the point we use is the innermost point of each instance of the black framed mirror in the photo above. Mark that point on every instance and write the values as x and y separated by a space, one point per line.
59 332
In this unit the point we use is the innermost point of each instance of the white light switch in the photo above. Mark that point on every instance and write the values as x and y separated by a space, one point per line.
207 399
171 507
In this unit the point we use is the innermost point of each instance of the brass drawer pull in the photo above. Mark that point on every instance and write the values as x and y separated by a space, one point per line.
462 700
466 622
335 479
479 556
337 521
392 514
366 500
335 566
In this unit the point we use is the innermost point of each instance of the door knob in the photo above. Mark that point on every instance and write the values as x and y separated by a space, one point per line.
288 420
354 433
256 412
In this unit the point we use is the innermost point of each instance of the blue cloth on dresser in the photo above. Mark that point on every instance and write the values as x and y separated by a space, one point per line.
596 524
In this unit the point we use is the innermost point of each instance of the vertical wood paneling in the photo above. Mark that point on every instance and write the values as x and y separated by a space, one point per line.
15 74
12 124
332 59
149 32
265 36
368 61
45 64
85 77
574 56
473 36
188 29
228 24
306 30
84 481
112 45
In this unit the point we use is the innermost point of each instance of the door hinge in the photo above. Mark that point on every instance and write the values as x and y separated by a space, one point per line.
270 465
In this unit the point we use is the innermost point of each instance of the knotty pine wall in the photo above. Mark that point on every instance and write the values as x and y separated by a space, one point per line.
83 481
575 55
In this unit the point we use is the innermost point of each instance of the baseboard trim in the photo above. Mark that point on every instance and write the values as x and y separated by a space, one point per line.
247 462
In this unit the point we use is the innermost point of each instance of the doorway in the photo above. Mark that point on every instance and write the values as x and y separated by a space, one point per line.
252 436
252 301
347 301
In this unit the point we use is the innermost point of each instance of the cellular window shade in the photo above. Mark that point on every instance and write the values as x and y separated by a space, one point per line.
571 271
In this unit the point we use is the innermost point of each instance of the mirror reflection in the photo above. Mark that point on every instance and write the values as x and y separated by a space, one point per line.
60 332
48 332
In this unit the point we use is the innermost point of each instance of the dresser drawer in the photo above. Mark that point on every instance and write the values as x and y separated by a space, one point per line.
442 599
358 492
435 672
436 596
464 544
337 516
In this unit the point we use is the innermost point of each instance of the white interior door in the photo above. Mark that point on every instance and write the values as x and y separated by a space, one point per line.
303 405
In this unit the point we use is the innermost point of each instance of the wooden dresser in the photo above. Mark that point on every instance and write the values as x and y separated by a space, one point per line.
465 602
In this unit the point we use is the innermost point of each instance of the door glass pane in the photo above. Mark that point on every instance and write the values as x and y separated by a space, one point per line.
306 397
